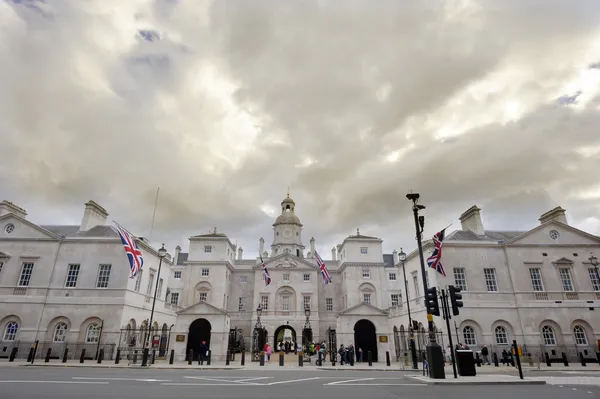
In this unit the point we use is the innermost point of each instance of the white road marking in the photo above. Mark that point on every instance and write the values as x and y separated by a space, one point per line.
218 380
55 382
352 380
121 379
289 381
252 379
377 385
192 384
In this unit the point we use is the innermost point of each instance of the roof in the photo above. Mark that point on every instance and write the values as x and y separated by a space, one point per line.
489 235
210 235
388 259
182 257
72 231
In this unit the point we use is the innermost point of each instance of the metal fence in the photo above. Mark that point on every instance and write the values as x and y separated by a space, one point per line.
57 350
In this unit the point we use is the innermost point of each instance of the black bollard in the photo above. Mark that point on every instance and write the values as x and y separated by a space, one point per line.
13 354
145 355
548 360
118 356
65 355
319 359
598 357
48 352
172 357
82 357
281 359
135 357
300 359
387 359
565 360
518 358
35 348
30 356
262 358
583 364
100 356
369 358
477 359
209 356
227 358
190 356
495 357
153 355
243 361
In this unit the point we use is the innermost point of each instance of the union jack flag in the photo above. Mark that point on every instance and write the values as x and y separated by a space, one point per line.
323 269
434 261
266 275
134 255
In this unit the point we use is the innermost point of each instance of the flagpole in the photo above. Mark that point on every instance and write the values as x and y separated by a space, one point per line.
154 214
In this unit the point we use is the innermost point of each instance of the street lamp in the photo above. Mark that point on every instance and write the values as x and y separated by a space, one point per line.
413 348
435 354
307 314
258 313
162 252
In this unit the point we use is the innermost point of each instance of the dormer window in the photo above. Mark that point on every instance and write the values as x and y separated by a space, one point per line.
207 249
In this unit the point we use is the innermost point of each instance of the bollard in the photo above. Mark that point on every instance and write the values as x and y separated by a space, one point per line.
369 358
82 357
243 361
518 359
548 360
145 355
227 358
30 356
583 364
387 359
319 359
262 358
209 356
65 355
172 357
598 357
118 356
190 356
135 357
13 354
477 359
281 359
153 355
495 357
100 356
565 360
300 359
35 348
47 360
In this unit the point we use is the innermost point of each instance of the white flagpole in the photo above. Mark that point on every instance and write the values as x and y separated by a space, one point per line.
154 214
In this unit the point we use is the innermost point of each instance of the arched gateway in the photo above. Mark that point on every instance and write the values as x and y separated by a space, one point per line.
199 331
282 334
365 338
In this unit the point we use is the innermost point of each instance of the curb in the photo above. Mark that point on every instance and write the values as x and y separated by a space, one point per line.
369 369
458 382
102 366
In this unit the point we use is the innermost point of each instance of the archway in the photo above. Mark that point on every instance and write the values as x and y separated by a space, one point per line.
284 334
199 331
365 338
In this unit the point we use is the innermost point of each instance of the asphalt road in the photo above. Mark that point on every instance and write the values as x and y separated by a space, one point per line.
96 383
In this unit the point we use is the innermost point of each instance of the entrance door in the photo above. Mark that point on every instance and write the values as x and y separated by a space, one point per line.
365 338
199 331
284 334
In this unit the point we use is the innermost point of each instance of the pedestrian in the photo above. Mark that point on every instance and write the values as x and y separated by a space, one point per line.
203 352
484 354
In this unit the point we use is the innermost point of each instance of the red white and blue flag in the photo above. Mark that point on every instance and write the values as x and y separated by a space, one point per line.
323 269
134 255
434 261
266 275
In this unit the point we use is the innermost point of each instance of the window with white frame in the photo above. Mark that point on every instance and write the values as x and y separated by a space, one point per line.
469 336
264 302
306 301
174 298
60 333
329 304
159 289
243 279
138 281
364 250
536 279
392 276
491 281
242 304
460 278
92 334
580 336
103 276
416 283
594 278
566 279
177 274
395 300
72 274
306 277
501 335
286 277
366 273
548 336
285 303
11 330
203 296
150 284
205 272
207 249
367 298
26 272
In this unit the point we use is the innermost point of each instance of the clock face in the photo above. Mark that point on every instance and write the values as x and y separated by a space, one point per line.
287 233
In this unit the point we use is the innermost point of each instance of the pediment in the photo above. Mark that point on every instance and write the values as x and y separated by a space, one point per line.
23 228
554 233
286 261
202 308
4 255
363 309
562 261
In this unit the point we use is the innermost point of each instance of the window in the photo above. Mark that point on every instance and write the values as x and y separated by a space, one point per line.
364 250
536 280
177 274
306 277
329 304
594 278
103 276
203 296
491 281
159 289
242 304
367 298
566 280
150 283
285 303
92 335
501 335
548 336
205 272
306 302
366 273
243 279
72 274
416 283
1 263
207 249
286 277
580 335
395 300
264 302
460 278
469 336
174 298
60 333
10 332
26 272
392 276
138 281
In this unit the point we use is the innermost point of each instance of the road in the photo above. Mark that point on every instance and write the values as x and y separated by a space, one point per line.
96 383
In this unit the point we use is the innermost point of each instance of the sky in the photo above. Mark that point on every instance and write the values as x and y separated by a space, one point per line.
351 105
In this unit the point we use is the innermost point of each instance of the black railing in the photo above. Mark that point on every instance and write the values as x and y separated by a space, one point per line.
92 349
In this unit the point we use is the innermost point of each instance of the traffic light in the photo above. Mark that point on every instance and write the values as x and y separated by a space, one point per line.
455 299
431 302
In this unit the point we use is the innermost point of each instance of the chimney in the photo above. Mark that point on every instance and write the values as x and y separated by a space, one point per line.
93 216
312 247
471 220
176 256
395 256
240 253
557 215
333 257
7 207
261 245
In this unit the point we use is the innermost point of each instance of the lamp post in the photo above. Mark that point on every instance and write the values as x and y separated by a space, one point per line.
258 314
257 336
307 330
594 261
307 314
413 348
162 252
435 354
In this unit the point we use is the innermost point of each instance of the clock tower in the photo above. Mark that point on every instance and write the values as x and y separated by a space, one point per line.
287 231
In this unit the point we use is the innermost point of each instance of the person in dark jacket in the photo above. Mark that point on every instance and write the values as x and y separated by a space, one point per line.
203 355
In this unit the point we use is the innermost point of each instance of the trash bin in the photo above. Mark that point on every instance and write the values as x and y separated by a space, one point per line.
465 363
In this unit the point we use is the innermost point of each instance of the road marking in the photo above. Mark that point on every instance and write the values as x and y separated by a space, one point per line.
377 385
290 381
218 380
252 379
121 379
352 380
192 384
55 382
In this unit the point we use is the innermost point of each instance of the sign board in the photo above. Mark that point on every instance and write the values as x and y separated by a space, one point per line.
180 338
383 339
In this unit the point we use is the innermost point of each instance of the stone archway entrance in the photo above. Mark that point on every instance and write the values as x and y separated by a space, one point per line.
199 331
365 338
282 334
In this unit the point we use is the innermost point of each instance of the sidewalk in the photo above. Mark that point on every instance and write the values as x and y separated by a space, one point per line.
481 380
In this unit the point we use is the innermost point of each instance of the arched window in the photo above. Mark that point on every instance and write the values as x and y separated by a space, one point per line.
501 335
548 336
10 333
92 335
580 335
469 336
60 332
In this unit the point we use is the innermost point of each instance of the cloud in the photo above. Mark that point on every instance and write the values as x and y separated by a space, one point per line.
223 105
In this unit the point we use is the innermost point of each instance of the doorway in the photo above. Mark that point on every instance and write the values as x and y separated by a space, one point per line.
365 338
199 331
284 334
